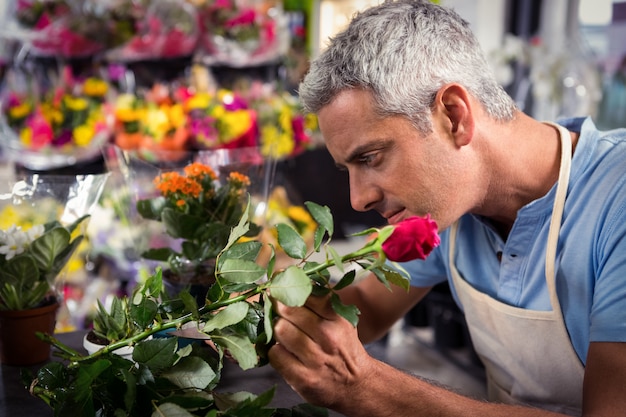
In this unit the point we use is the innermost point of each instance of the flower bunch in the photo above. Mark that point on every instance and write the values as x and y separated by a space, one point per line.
235 31
195 208
71 119
220 120
69 29
151 121
237 317
186 118
284 128
162 29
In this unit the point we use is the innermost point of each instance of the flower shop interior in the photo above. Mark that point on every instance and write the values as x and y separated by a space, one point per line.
126 90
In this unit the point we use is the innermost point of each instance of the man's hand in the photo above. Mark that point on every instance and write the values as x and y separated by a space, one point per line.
318 352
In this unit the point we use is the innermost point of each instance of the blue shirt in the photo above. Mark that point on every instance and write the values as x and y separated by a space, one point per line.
591 253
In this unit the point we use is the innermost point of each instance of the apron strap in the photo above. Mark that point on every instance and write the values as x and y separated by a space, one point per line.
557 212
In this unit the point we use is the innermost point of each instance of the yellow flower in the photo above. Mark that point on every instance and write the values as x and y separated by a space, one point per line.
310 121
75 103
275 143
302 219
20 111
176 115
233 124
26 136
53 115
284 119
156 123
83 134
94 87
198 101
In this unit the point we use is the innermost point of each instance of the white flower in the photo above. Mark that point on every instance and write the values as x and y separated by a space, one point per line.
13 243
35 232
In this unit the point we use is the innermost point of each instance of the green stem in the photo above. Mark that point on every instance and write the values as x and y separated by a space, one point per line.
354 256
173 324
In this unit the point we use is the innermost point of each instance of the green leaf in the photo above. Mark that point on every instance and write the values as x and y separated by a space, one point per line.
396 278
48 246
156 353
232 314
348 312
130 394
87 374
248 251
52 376
190 372
151 208
291 287
336 258
241 229
180 225
240 347
20 277
241 271
322 216
381 277
291 242
158 254
346 280
318 238
171 410
144 313
268 315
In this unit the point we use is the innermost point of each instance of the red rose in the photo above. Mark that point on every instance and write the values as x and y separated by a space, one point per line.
413 238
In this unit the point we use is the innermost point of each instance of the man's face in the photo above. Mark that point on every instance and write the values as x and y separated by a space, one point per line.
393 169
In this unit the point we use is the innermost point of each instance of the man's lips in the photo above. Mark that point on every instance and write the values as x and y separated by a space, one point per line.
395 217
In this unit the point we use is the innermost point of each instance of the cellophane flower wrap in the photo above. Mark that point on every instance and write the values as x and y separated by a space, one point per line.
195 200
60 126
72 29
241 32
41 226
163 29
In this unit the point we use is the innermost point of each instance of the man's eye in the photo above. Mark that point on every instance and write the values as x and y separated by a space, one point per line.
368 159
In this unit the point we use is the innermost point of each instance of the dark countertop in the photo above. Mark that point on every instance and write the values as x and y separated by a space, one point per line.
15 399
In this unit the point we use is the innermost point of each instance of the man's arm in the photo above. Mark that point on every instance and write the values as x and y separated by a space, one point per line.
320 356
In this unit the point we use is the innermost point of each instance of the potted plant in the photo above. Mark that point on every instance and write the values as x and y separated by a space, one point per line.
112 325
30 260
171 380
198 212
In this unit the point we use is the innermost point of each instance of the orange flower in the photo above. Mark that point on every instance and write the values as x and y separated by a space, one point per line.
238 179
198 170
172 182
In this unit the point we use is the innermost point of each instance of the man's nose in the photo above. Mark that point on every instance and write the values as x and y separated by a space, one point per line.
363 195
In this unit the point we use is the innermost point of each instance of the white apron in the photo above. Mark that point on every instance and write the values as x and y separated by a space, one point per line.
528 356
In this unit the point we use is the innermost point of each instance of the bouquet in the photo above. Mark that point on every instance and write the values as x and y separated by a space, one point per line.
62 126
197 209
175 120
163 29
239 33
75 29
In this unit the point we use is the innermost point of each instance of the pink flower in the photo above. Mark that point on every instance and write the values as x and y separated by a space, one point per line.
413 238
41 131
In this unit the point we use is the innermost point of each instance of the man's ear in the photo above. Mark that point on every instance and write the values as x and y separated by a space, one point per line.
453 111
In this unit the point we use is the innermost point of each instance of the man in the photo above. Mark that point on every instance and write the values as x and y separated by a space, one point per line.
532 218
